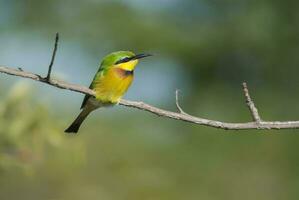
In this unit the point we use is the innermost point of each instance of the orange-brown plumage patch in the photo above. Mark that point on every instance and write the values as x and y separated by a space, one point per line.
123 73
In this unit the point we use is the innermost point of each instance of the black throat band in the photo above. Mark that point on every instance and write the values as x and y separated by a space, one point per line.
129 72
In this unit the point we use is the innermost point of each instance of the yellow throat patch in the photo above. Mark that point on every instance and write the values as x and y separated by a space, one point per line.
129 66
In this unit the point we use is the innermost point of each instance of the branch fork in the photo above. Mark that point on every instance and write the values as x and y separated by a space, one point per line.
178 104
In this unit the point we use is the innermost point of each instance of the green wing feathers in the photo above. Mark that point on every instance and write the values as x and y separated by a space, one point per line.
96 77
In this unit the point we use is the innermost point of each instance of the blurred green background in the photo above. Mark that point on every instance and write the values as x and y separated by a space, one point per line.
205 48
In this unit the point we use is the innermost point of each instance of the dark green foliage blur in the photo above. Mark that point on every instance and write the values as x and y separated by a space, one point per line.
213 46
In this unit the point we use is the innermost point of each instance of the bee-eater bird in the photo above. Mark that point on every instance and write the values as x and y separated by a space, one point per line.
110 83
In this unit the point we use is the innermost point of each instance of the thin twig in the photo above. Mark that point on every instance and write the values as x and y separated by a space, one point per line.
160 112
177 102
53 57
253 110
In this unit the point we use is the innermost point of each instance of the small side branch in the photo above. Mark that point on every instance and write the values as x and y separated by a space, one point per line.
253 110
178 104
53 57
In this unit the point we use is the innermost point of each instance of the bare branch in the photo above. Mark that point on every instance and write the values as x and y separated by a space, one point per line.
177 103
53 57
253 110
182 116
53 82
155 110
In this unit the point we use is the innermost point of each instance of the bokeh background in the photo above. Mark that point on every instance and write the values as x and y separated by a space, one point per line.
205 48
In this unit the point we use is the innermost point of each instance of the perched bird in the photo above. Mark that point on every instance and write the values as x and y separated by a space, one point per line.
110 83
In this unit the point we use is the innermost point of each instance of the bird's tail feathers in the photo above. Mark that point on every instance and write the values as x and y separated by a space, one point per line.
74 127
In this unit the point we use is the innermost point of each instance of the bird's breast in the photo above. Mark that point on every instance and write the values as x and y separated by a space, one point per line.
114 85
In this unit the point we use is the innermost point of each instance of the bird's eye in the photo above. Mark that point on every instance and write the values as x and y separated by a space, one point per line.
123 60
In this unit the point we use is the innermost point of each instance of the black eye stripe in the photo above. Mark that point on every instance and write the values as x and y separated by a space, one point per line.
126 59
135 57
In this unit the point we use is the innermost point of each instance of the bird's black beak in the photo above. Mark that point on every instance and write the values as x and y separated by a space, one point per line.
136 57
139 56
